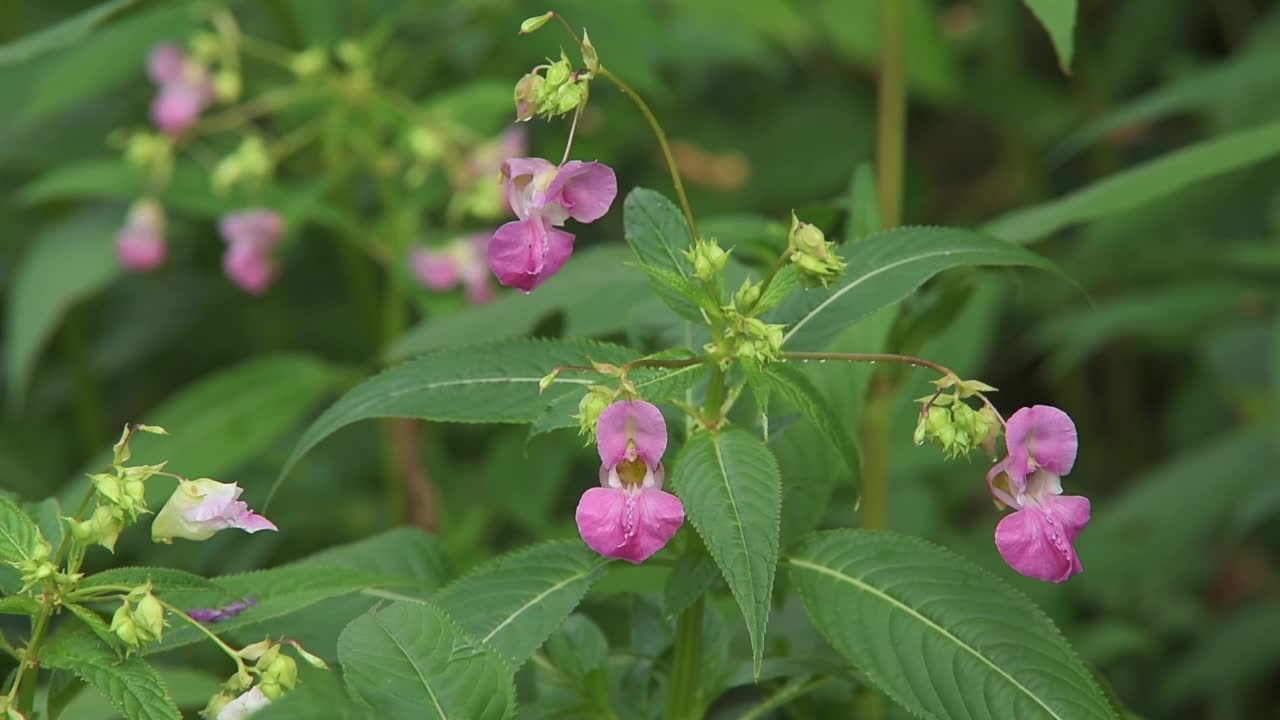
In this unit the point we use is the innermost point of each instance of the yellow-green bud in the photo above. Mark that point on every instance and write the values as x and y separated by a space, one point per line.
226 86
149 616
281 670
120 451
747 296
534 23
589 409
217 702
350 53
589 56
806 238
528 96
546 381
426 144
123 626
309 63
108 486
558 74
312 660
255 651
205 47
226 173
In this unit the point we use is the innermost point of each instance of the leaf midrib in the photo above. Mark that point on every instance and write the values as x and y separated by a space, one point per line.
409 658
882 269
737 516
536 599
849 579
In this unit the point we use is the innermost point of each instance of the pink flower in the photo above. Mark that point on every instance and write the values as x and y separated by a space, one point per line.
198 509
629 517
140 243
245 705
461 261
1036 539
185 89
251 235
524 253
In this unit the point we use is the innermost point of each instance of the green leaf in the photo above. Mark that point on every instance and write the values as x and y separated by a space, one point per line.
595 272
19 536
801 391
515 602
321 695
692 574
131 685
885 268
784 282
864 206
165 581
653 384
18 605
410 556
978 648
1059 19
693 300
410 661
732 493
495 382
95 623
1141 184
224 420
188 688
62 34
655 229
70 261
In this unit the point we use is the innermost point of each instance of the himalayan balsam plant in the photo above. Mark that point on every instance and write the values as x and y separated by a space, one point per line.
688 435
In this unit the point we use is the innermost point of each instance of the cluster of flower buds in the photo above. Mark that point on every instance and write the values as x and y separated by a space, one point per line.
250 162
952 423
120 492
184 88
551 90
150 152
140 618
707 258
815 257
752 338
276 672
37 567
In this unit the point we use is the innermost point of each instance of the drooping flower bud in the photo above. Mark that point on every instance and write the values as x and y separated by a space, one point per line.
140 245
309 63
817 259
534 23
707 258
589 408
149 616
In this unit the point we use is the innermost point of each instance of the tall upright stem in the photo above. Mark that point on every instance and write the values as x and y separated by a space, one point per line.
683 701
891 112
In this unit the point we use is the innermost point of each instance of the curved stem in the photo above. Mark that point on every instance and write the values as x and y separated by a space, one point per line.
871 358
573 128
240 666
25 676
662 143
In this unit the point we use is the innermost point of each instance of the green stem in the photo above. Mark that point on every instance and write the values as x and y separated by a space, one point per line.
777 266
25 676
891 112
662 143
684 700
785 694
178 612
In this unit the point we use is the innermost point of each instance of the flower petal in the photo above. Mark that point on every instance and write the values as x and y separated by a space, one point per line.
176 108
249 267
631 421
586 190
435 270
164 64
1037 544
1043 435
628 526
524 253
520 184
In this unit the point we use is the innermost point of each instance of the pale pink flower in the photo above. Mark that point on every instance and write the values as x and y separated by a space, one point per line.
140 244
198 509
184 89
525 252
1037 539
629 517
461 261
251 236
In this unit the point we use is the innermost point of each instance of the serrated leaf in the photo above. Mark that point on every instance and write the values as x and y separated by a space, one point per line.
409 660
1141 184
657 233
801 391
164 581
670 283
692 574
784 282
94 622
131 685
653 384
732 494
1059 20
515 602
885 268
71 260
494 382
47 515
19 536
411 557
62 34
18 605
939 635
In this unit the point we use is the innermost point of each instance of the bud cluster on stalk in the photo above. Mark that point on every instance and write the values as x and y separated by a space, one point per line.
949 421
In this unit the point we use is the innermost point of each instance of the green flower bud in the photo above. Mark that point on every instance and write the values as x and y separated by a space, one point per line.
226 86
558 74
816 258
534 23
217 702
312 660
569 97
747 296
205 47
149 616
108 486
282 670
123 626
120 452
350 53
589 56
256 650
226 174
918 437
309 63
589 408
707 258
528 96
806 238
426 144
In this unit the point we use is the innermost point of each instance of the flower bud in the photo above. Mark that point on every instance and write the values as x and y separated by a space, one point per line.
806 238
816 258
426 144
747 296
123 626
205 47
309 63
350 53
313 660
589 56
226 86
527 95
149 616
707 258
534 23
558 74
589 408
545 382
282 670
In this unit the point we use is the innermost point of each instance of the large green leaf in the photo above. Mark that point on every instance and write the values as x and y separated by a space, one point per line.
515 602
799 390
1141 184
19 535
1059 19
131 685
732 494
409 661
64 33
495 382
225 419
656 231
885 268
940 636
70 261
595 272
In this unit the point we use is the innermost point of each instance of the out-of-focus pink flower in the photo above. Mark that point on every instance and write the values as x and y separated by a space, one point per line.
198 509
524 253
251 236
226 612
184 89
629 516
463 260
1037 539
140 244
